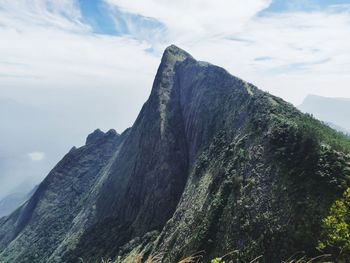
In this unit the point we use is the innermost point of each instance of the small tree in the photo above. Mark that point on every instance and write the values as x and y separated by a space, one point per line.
335 236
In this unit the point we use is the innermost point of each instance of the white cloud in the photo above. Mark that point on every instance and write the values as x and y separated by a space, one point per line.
63 14
305 52
45 44
36 156
196 18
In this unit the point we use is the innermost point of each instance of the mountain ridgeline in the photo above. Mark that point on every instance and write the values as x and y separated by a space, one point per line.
211 164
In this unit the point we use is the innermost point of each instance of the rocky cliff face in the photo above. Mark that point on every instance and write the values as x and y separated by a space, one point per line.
211 163
35 230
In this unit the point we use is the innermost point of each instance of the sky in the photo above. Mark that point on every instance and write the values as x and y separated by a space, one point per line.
87 64
289 48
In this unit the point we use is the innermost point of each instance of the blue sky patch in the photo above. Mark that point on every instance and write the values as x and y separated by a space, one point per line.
110 20
263 58
302 5
97 14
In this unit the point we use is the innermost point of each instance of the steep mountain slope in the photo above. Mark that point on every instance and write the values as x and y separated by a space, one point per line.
39 226
333 111
211 163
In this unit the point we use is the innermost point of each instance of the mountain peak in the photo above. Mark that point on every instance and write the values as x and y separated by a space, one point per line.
173 54
207 153
163 83
95 136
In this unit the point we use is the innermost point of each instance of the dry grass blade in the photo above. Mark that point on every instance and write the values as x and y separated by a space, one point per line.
304 259
323 257
137 259
154 258
300 260
290 259
230 254
195 258
256 259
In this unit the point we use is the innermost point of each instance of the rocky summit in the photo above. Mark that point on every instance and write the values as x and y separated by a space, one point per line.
212 164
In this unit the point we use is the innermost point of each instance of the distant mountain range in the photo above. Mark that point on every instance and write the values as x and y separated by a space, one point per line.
333 111
14 200
10 202
211 164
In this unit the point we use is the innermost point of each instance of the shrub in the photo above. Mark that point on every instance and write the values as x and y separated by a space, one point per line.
336 228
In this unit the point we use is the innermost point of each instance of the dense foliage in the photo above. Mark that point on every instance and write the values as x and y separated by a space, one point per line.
336 229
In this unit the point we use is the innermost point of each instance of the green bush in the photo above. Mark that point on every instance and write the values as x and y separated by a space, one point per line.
336 228
217 260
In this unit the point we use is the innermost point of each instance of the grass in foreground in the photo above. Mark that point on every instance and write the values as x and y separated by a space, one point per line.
228 258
